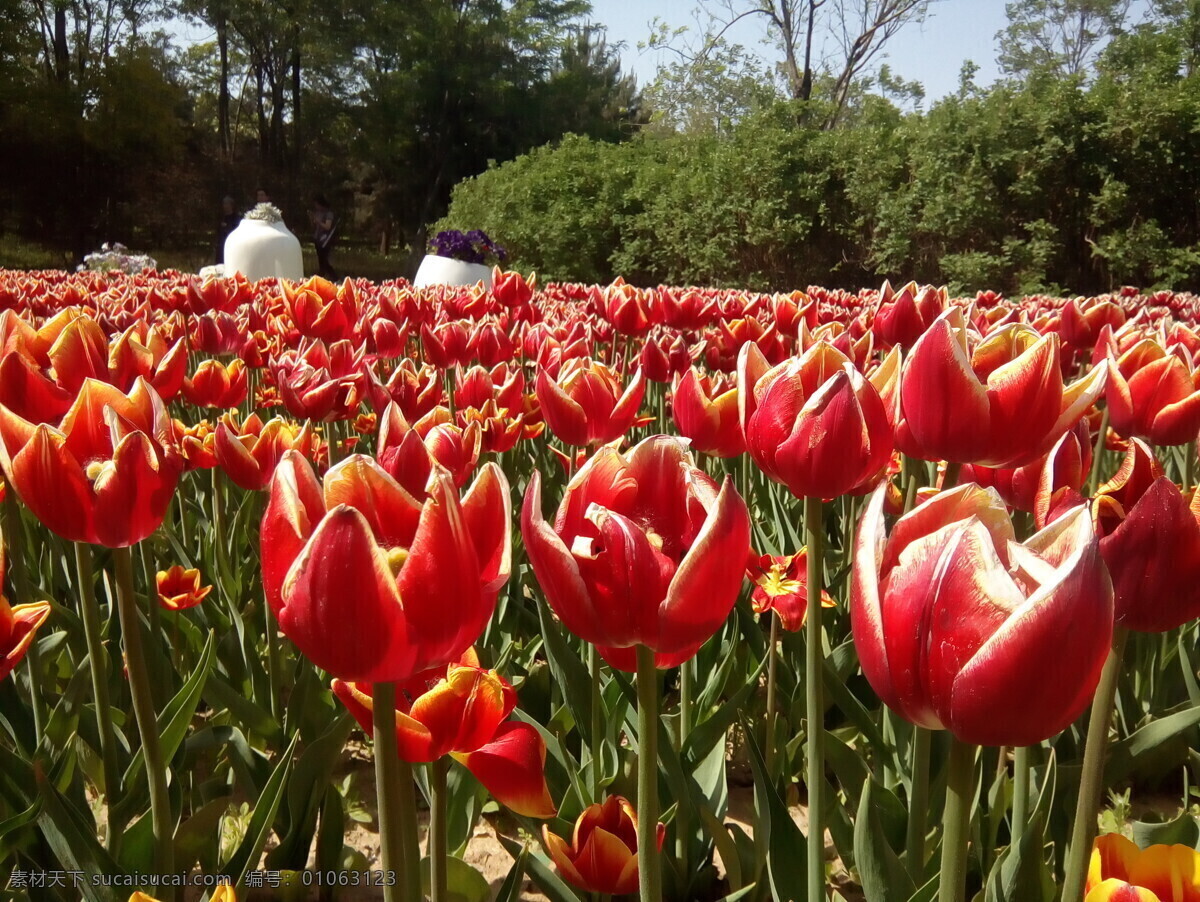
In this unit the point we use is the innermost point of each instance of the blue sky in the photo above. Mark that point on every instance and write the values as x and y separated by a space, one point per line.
932 53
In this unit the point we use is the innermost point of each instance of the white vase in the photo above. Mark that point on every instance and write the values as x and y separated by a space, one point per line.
435 270
263 250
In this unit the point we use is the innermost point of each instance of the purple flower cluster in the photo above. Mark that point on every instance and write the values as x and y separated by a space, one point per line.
470 247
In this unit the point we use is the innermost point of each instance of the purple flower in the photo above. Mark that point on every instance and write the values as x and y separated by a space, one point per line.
472 247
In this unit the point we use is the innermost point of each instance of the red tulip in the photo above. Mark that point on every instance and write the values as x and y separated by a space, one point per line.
813 423
904 315
602 855
1001 405
462 711
408 453
1154 394
960 628
106 474
1150 539
511 288
644 551
249 452
705 410
373 585
585 406
217 385
1036 485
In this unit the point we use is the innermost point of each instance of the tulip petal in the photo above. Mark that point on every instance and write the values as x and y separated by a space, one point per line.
53 485
512 767
340 604
1119 891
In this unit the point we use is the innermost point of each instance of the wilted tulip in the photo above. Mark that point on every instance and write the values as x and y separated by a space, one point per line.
180 588
644 550
813 422
373 585
585 406
106 474
602 855
1002 404
462 710
959 627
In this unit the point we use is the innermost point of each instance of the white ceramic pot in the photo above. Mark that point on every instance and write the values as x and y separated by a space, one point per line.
262 250
435 270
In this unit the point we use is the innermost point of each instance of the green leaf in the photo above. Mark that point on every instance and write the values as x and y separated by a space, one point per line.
245 858
884 878
463 882
726 847
1021 871
176 717
197 838
331 832
72 838
1126 756
510 889
712 729
539 870
569 672
786 849
305 794
1183 830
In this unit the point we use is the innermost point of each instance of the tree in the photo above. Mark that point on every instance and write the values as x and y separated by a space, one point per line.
1058 36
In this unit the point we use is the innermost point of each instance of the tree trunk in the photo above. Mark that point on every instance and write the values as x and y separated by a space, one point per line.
223 95
62 55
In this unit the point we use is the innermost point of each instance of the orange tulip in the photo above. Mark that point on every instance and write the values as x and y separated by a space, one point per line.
106 474
249 452
18 625
1121 872
180 589
463 711
217 385
602 855
372 584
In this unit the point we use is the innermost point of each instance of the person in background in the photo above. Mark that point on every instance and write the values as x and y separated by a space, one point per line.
323 223
261 196
228 222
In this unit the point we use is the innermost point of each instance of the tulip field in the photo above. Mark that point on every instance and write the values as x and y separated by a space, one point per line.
669 593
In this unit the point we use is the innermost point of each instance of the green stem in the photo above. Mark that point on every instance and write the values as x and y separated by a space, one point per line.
437 828
14 531
273 665
387 788
1083 834
814 704
1020 807
218 521
918 801
596 722
185 529
683 827
956 822
650 875
1098 454
1189 466
410 840
98 664
772 661
143 711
